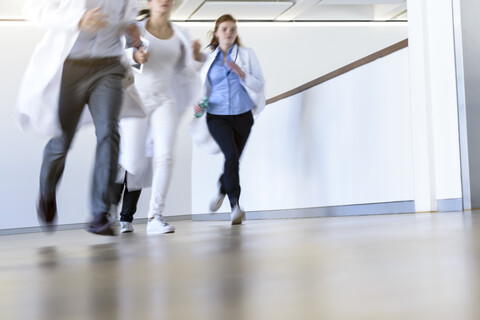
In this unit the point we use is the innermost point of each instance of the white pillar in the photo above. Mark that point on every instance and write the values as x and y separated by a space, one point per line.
436 155
421 109
467 49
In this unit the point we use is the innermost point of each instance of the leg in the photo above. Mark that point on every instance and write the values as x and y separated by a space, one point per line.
105 99
222 131
242 125
71 103
129 204
133 133
104 103
118 186
164 124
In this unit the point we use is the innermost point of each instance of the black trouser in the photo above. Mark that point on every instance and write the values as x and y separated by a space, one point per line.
231 134
130 200
98 83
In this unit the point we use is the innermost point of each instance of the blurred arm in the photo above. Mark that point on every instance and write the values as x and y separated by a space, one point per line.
132 33
254 77
54 13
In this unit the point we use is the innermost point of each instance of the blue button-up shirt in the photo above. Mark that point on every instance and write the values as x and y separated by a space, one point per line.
106 42
227 96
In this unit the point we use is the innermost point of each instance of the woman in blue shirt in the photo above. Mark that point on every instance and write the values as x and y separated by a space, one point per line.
234 85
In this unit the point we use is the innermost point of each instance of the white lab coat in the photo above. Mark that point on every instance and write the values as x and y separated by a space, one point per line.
187 88
38 98
254 84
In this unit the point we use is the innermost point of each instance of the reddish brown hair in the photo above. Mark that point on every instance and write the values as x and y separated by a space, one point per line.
214 41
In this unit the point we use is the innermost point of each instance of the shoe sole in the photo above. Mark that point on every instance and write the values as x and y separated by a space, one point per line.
105 230
151 233
126 231
215 205
238 219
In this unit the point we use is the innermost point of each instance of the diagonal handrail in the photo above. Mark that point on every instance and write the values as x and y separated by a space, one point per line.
349 67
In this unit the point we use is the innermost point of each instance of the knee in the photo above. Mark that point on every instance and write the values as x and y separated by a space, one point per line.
58 145
232 163
109 131
164 159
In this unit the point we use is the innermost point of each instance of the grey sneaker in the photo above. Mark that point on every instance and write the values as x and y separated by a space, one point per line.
216 202
125 227
158 226
237 215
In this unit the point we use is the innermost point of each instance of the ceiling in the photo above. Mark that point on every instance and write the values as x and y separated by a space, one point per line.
291 10
266 10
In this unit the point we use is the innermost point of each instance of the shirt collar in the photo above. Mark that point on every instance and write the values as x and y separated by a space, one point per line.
232 50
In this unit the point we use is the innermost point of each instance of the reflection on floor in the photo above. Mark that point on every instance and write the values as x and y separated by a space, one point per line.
409 266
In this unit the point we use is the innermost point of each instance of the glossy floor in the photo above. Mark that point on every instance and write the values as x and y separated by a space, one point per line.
409 266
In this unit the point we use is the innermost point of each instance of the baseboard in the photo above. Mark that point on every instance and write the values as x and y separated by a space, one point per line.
444 205
60 227
332 211
77 226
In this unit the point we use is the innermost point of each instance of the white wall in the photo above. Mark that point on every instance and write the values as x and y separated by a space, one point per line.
290 56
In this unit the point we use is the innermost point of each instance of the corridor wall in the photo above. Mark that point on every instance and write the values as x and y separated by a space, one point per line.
290 55
346 141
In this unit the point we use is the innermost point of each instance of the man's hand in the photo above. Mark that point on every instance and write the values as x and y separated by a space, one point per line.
196 50
132 34
93 20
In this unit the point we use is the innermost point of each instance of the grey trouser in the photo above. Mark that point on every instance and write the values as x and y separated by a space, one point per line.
98 83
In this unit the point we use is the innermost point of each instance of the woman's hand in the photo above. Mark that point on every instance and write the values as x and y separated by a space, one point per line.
196 50
93 20
232 65
140 56
197 108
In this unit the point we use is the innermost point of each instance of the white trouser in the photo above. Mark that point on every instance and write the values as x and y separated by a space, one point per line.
161 124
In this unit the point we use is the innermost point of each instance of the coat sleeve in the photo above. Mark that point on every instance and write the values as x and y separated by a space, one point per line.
253 77
54 13
129 51
197 65
131 11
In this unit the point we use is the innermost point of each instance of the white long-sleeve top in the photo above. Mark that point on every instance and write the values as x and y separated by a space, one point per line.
181 80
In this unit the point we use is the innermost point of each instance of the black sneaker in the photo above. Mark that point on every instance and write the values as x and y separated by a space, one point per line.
47 213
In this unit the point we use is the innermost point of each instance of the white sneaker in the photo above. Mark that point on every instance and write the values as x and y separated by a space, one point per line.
158 226
125 227
237 215
216 202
